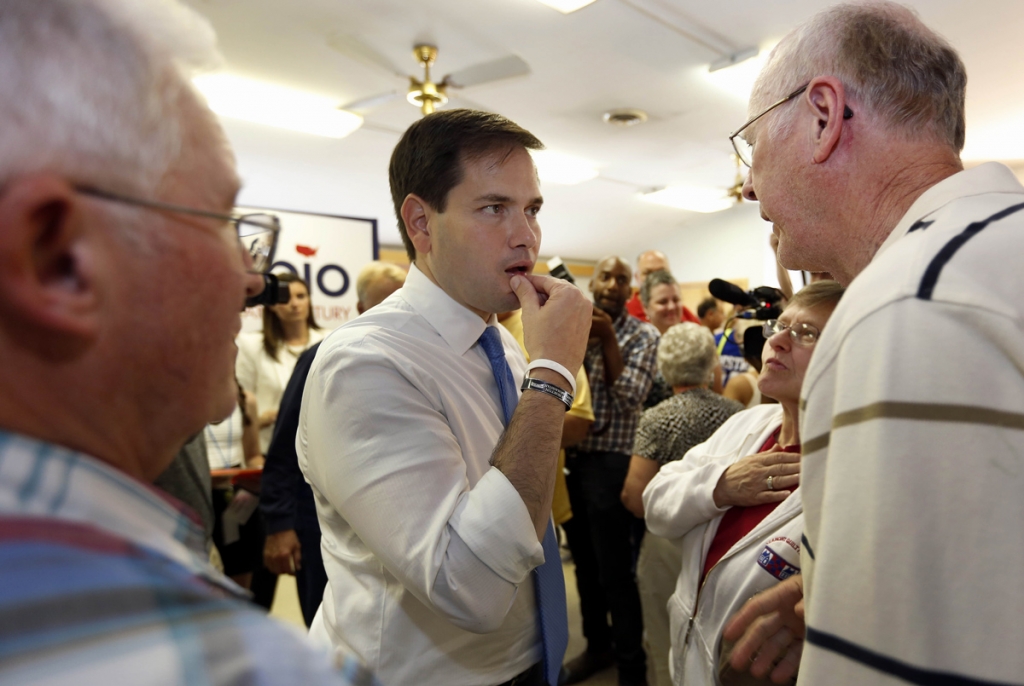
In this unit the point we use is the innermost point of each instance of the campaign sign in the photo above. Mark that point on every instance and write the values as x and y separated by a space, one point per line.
327 252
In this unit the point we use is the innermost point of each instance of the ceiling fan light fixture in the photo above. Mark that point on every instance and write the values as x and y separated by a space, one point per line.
272 105
558 167
566 6
691 198
626 116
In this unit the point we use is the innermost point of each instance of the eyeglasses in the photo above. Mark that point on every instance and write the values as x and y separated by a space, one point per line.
802 334
256 232
744 150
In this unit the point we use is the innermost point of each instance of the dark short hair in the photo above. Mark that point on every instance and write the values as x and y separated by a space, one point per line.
662 277
706 305
428 160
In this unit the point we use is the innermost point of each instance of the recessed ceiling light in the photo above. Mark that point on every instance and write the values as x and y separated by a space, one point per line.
691 198
625 117
558 167
272 105
565 6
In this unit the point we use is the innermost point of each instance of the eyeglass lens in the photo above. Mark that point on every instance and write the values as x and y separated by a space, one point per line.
258 234
744 150
804 333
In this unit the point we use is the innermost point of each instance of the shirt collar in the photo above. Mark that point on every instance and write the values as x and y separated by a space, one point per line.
459 326
990 177
39 479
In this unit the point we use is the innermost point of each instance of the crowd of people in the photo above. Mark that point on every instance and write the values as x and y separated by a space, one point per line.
813 494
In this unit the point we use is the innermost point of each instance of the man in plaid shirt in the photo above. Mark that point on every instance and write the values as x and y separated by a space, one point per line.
123 278
620 364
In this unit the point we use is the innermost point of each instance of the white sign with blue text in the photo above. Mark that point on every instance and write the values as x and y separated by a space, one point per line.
327 252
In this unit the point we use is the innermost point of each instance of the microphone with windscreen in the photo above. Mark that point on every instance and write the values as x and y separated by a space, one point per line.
764 300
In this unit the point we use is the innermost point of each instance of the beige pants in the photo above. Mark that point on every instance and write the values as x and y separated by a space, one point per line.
657 571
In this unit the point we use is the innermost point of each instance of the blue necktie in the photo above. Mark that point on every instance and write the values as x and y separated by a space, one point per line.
547 579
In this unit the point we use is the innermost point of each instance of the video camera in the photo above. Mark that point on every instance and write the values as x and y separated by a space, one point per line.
765 301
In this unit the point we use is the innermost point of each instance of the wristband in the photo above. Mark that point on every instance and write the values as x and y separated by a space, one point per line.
549 388
555 367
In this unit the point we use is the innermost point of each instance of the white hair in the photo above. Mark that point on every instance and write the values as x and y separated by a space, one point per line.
90 89
687 355
888 61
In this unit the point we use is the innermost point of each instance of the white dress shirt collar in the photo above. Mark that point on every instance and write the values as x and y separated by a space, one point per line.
459 326
990 177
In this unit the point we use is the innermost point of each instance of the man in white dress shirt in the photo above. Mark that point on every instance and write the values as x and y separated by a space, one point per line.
911 423
433 512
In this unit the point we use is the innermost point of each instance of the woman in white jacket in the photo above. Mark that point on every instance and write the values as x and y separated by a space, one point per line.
729 500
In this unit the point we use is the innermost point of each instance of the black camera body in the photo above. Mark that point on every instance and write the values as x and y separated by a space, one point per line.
273 293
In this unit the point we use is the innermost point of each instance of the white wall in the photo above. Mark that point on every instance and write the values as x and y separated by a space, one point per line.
727 245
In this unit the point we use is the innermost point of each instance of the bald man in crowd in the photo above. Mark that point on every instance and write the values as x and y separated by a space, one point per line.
647 263
123 280
913 448
376 281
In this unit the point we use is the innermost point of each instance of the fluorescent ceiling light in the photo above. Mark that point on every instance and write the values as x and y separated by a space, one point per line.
736 73
557 167
691 198
265 103
565 6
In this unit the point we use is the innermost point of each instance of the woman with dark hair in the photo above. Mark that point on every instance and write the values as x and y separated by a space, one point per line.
266 359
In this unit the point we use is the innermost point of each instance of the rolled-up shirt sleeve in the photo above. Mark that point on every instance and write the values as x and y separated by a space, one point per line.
379 447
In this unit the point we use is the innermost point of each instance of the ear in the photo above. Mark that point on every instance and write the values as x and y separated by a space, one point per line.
416 215
47 253
827 99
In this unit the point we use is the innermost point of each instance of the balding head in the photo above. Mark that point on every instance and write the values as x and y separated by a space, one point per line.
610 285
648 262
890 63
376 281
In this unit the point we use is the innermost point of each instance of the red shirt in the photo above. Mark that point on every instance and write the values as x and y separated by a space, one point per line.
740 521
636 308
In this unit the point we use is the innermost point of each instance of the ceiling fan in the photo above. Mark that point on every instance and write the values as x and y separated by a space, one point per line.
424 93
735 191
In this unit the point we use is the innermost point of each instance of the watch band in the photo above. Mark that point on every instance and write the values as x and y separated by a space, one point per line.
549 388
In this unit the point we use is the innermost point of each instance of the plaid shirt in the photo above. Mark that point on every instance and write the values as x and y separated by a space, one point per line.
617 408
103 580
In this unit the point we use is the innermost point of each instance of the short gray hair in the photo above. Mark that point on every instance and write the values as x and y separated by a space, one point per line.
654 279
90 89
886 58
687 355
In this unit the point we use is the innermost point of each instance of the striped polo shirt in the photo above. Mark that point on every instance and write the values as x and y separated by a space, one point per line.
913 452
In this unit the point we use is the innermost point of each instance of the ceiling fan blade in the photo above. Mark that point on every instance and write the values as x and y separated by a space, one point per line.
495 70
370 102
355 49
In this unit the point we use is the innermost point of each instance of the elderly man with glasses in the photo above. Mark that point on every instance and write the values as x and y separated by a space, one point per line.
123 279
911 421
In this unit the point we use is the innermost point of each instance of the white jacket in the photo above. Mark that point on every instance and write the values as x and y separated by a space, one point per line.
679 503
